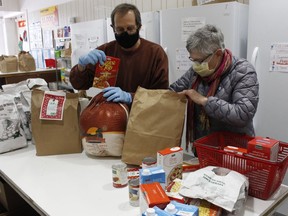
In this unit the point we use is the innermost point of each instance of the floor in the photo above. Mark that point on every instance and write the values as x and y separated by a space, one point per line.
278 214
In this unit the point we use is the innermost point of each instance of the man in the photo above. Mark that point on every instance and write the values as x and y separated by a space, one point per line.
223 90
142 63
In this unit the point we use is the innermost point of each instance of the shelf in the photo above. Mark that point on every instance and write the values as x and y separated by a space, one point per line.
63 38
64 58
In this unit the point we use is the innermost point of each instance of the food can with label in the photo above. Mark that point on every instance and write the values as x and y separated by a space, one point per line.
119 175
134 192
149 162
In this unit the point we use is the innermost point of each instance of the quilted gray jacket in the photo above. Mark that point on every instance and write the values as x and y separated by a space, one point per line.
235 102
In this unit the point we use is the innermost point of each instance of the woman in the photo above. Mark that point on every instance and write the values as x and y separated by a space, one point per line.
222 89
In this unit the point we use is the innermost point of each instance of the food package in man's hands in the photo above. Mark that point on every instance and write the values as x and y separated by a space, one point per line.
106 74
103 125
220 186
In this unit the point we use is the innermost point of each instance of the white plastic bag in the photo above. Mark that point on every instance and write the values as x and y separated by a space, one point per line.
12 135
220 186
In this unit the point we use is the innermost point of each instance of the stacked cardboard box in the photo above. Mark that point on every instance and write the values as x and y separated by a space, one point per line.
204 2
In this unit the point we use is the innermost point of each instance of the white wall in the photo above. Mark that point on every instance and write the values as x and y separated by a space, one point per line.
32 5
2 44
10 5
87 10
10 35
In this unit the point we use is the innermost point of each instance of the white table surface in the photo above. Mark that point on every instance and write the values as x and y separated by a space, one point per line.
75 184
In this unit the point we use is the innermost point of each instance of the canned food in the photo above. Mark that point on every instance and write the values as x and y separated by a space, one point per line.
149 162
134 192
119 175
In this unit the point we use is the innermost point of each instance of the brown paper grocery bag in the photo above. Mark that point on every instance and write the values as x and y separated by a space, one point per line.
53 137
26 61
8 63
155 122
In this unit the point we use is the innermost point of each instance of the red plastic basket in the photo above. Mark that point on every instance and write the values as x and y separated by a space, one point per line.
264 176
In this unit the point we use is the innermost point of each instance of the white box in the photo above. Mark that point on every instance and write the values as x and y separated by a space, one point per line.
171 160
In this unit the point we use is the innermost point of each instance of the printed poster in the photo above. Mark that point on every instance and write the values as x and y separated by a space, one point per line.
279 57
49 17
190 25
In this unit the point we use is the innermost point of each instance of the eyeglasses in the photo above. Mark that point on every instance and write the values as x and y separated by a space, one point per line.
200 61
130 29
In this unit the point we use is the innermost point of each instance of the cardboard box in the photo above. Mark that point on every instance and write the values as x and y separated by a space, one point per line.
264 148
205 2
171 160
205 208
8 63
9 198
151 195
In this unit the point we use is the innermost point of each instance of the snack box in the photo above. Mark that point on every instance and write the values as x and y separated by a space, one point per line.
171 160
264 148
152 174
106 74
172 190
152 194
205 208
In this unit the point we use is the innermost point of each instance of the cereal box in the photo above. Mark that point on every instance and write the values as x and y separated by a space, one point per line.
171 160
264 148
106 74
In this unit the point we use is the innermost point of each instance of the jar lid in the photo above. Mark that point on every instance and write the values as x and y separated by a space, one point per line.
149 160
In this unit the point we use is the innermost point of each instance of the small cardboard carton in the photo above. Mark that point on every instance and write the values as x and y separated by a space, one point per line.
152 194
106 74
264 148
171 160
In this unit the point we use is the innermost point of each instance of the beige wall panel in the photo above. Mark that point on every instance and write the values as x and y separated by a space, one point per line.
171 4
187 3
147 5
180 3
139 4
156 5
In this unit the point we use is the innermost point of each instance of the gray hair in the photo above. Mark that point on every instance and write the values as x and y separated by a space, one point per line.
206 40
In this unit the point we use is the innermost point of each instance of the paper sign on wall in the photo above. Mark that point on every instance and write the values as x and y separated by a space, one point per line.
279 57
